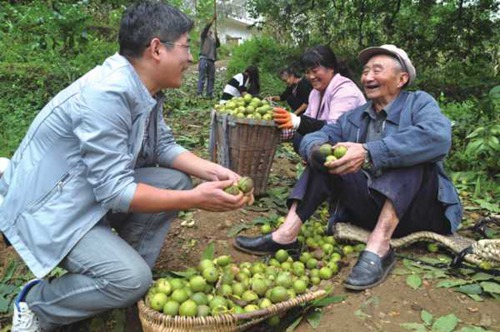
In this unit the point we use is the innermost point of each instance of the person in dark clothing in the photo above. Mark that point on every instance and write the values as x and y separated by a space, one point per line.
297 92
242 83
208 55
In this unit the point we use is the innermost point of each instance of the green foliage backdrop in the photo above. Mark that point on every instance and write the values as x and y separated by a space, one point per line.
455 46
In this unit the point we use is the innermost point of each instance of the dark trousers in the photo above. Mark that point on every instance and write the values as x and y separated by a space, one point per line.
412 191
206 71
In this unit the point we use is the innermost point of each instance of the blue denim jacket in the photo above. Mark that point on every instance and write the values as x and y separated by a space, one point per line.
77 162
415 132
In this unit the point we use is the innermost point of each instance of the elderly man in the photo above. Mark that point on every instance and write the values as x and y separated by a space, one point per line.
98 178
391 180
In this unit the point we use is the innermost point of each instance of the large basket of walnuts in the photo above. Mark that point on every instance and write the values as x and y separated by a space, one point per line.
244 138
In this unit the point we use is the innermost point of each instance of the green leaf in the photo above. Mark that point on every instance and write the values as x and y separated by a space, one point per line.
292 326
470 289
451 283
208 253
445 323
184 274
476 297
236 229
426 317
328 300
4 304
481 276
414 281
413 327
9 272
314 318
490 287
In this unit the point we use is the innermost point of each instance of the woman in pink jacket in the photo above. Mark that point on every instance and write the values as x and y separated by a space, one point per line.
333 94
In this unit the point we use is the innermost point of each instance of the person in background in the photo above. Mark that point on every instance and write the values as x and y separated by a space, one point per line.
98 178
333 94
297 92
391 180
242 83
209 42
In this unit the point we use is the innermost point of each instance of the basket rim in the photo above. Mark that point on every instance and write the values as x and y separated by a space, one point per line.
230 317
255 122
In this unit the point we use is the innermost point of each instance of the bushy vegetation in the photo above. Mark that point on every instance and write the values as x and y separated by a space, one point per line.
47 45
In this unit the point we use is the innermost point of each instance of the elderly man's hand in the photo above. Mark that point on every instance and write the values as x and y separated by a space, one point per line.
351 162
317 159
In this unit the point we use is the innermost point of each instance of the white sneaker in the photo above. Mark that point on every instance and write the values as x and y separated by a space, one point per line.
24 320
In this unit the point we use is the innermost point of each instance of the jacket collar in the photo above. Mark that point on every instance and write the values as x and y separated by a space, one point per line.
142 94
397 106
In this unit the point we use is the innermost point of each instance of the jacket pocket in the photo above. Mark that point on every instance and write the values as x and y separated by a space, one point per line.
57 188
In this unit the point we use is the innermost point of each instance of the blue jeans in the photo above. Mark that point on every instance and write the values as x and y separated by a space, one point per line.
206 71
108 269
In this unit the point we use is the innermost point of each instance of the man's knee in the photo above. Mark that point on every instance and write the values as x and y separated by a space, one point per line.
184 182
130 285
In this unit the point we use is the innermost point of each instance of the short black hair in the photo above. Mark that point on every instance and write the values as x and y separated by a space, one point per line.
146 20
320 55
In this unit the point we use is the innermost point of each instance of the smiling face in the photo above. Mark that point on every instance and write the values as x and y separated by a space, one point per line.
320 77
383 79
175 58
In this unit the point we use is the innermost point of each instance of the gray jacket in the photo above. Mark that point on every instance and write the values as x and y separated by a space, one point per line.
77 162
415 132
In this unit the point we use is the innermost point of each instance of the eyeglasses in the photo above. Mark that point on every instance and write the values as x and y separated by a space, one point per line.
186 46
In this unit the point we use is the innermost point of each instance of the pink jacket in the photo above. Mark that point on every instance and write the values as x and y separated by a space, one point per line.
340 96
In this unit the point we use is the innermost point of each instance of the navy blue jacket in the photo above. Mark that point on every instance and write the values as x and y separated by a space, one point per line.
415 132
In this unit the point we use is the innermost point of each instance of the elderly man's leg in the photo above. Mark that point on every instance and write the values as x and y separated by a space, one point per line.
379 239
408 204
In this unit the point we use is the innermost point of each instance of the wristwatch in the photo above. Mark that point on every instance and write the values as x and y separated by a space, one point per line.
367 164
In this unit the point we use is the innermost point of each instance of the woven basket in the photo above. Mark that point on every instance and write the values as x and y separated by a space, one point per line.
246 146
154 321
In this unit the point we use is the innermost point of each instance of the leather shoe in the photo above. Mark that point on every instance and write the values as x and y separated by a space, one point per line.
264 245
370 270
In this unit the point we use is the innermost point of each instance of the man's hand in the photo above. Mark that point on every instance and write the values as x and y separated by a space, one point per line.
317 159
211 196
219 173
351 162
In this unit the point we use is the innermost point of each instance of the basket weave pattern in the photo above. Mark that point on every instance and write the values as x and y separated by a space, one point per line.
153 321
246 146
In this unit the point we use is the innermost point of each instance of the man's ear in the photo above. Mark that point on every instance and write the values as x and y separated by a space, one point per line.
153 50
403 79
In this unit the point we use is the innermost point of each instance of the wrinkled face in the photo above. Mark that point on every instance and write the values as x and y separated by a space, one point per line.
382 78
175 59
319 77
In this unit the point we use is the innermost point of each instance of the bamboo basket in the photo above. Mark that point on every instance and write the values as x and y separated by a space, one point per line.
246 146
154 321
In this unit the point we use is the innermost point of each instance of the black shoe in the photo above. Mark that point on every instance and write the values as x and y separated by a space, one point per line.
264 245
370 270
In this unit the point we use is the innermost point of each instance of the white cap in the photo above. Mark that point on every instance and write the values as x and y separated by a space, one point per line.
396 52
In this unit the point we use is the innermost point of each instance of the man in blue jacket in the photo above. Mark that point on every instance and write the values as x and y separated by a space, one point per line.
391 180
96 181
